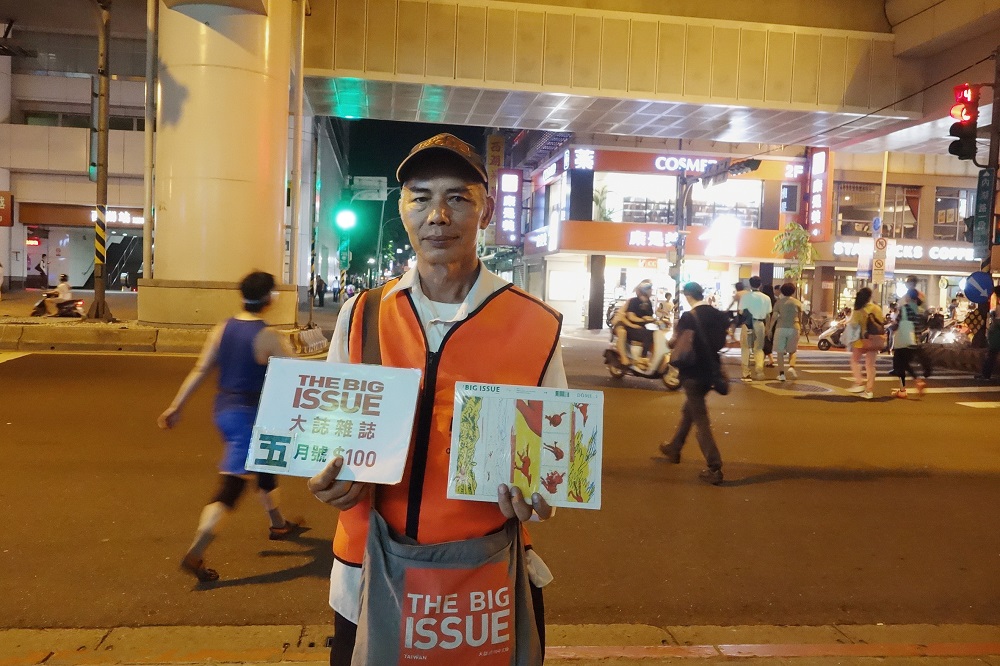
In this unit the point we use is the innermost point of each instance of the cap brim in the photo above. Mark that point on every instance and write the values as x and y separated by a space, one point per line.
413 159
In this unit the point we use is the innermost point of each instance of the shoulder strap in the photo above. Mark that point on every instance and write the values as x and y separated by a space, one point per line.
371 351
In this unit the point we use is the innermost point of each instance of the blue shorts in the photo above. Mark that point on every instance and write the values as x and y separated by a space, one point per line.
235 424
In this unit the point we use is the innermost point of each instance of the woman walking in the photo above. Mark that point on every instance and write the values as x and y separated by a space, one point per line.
870 321
904 344
786 317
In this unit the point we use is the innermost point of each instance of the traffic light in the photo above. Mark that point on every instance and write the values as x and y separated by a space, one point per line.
966 112
744 166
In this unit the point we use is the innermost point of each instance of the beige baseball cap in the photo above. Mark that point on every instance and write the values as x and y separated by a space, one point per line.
443 142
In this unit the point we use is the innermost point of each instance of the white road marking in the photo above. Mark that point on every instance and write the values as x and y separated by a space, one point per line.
963 389
10 356
980 405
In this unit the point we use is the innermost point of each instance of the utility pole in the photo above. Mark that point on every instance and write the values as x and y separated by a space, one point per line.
979 339
99 308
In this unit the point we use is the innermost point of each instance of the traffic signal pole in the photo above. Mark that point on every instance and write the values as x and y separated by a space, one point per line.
99 308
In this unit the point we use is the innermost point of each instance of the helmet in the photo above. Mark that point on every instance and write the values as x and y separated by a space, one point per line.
644 287
63 277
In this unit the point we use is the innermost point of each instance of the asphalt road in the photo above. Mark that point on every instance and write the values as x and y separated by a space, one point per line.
835 510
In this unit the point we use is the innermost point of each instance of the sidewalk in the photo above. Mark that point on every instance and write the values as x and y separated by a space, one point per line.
19 331
570 644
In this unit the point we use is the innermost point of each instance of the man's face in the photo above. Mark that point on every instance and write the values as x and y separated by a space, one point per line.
443 212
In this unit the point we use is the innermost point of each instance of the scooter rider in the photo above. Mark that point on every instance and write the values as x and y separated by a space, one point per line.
60 294
630 323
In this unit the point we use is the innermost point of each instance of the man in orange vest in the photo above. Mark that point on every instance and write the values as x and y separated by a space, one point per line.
456 321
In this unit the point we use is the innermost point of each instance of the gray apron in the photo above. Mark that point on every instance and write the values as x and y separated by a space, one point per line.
461 602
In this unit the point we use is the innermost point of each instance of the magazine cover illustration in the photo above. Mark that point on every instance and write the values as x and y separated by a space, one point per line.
541 440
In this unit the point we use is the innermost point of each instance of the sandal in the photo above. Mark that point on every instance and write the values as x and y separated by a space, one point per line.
199 570
288 531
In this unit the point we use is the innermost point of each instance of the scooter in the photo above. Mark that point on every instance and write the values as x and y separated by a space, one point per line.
658 366
70 308
831 337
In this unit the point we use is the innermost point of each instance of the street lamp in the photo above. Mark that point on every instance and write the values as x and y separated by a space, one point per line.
381 226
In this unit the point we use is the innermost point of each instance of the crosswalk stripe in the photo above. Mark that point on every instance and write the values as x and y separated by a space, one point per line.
980 405
10 356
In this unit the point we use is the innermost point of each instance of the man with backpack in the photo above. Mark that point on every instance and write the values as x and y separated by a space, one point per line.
708 327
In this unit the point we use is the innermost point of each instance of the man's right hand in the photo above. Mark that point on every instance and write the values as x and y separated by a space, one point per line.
341 495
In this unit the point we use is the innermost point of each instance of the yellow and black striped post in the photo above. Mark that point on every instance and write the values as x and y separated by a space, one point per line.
101 236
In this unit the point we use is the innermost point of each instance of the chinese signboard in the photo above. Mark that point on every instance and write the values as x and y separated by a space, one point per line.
6 209
508 208
313 411
820 191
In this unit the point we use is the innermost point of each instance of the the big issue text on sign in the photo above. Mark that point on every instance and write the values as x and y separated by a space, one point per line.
313 411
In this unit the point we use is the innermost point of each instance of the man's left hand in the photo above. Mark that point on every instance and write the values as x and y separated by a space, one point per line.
512 504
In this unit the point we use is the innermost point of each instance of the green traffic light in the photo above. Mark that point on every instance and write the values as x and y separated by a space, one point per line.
346 219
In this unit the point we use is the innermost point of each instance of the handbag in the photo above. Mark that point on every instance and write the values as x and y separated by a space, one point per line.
459 602
873 334
683 355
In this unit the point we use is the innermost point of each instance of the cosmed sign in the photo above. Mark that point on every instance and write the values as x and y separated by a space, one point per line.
313 411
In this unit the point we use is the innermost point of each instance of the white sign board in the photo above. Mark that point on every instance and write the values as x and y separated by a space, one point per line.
370 188
313 411
542 440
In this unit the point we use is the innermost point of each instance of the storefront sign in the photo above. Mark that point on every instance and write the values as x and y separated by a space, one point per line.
583 158
6 209
912 252
639 238
119 217
685 164
820 187
508 209
550 172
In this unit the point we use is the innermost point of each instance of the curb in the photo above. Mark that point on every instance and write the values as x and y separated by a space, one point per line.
300 644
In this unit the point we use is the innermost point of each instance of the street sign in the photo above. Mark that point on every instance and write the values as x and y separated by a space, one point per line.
877 227
881 244
370 188
983 221
878 271
978 287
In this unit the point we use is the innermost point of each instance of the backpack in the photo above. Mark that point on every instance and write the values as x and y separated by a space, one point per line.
716 331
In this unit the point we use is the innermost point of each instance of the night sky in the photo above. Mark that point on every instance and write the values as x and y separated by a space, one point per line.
376 149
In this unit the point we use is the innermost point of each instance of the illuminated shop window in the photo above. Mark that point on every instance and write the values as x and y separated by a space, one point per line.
855 205
634 197
740 199
951 207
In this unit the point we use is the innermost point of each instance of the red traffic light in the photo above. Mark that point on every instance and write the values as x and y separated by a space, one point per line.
960 112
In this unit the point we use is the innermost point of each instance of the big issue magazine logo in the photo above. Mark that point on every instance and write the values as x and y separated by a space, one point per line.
458 616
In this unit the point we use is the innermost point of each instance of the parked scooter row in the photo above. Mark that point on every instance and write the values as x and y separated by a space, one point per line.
940 330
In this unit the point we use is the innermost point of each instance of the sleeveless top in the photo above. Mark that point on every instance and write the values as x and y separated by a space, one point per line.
241 378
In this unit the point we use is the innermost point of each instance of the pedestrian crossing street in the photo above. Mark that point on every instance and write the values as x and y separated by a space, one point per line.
829 372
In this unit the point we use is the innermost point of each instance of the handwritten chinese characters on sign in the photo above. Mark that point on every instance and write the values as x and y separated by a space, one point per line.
313 411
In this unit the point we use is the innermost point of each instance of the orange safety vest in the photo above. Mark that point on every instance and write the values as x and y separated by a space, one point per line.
509 339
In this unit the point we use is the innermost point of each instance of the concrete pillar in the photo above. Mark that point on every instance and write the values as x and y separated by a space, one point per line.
5 232
595 307
221 145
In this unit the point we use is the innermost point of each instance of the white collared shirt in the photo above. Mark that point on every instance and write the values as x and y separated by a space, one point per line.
437 319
